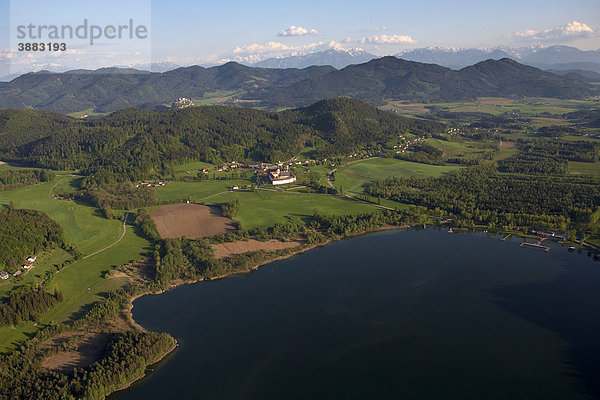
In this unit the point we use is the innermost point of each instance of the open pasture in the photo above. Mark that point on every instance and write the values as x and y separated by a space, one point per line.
354 178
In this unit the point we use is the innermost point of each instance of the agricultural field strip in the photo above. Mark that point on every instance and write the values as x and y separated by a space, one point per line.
114 243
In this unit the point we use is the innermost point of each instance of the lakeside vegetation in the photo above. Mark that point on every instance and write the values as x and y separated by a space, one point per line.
483 196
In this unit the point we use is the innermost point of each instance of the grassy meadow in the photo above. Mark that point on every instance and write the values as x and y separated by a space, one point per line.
353 178
81 282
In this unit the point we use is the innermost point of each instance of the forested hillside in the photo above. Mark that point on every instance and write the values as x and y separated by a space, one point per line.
130 144
25 232
393 78
111 89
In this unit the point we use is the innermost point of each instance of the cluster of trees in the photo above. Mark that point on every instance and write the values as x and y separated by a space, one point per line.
229 208
481 195
117 196
590 118
533 163
423 153
14 179
573 151
24 233
555 131
27 304
339 226
549 156
146 225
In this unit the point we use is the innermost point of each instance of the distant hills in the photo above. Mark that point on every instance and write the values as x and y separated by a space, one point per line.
110 89
555 58
393 78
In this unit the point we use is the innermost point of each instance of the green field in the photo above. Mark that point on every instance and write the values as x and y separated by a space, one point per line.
89 112
12 167
460 149
495 106
262 207
195 191
90 232
192 167
353 178
584 168
85 226
266 207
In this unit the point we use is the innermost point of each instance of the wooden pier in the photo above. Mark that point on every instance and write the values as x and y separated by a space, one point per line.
506 237
537 245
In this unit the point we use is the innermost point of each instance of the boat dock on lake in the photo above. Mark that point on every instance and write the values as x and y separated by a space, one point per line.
538 245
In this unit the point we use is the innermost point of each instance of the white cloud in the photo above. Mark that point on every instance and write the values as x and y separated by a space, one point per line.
297 31
5 54
256 52
258 48
380 28
572 30
387 39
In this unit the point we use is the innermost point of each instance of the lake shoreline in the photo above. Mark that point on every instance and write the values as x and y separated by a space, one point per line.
298 250
128 310
294 251
336 277
144 374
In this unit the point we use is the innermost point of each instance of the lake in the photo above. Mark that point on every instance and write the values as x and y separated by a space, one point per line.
391 315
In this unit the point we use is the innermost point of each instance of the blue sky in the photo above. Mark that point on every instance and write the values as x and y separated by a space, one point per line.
201 32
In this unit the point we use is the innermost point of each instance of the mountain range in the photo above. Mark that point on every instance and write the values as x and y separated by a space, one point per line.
111 89
558 58
336 57
553 57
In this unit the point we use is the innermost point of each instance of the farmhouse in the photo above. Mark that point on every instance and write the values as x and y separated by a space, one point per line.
27 266
279 177
3 275
31 259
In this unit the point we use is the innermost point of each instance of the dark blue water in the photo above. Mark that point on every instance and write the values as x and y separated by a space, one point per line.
392 315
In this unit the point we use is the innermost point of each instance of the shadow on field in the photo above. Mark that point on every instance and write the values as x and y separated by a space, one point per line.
86 308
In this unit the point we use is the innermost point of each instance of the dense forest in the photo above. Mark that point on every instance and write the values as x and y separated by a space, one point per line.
549 156
394 78
24 233
481 195
126 358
